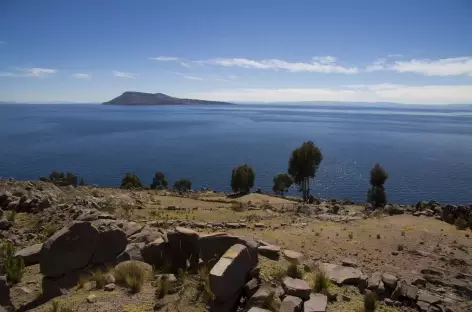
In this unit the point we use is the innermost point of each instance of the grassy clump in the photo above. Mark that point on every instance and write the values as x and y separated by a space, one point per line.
204 284
351 235
11 216
131 274
270 303
370 302
99 277
56 307
49 230
163 288
461 223
294 271
400 247
378 236
14 267
321 283
239 207
81 282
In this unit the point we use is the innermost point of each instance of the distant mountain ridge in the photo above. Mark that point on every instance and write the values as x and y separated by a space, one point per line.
142 98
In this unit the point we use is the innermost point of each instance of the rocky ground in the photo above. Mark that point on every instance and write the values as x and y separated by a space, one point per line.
204 251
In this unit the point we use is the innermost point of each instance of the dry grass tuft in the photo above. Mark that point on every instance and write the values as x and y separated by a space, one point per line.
131 274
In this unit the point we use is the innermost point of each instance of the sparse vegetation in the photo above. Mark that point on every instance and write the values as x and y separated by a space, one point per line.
351 235
183 185
461 223
13 266
11 216
378 236
131 275
81 282
98 276
403 233
242 179
400 247
204 287
56 307
370 302
294 271
49 229
303 165
321 282
239 207
270 303
130 180
163 287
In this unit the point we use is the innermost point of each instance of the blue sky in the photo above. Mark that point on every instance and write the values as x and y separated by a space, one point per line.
91 51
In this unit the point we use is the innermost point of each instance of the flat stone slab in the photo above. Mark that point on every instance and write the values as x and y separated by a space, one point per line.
316 303
293 256
30 254
296 287
291 304
269 251
341 275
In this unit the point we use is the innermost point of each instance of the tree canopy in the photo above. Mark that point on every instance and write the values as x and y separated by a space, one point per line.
183 185
378 176
282 182
242 178
303 164
376 194
159 181
130 180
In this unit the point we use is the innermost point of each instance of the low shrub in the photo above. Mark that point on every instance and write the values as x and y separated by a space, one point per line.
56 307
11 216
270 303
370 302
294 271
461 223
163 287
321 283
204 284
13 266
131 274
98 276
239 207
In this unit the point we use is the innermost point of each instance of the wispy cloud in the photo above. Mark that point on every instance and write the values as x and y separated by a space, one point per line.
455 66
124 75
184 64
81 76
39 72
422 94
323 64
178 60
189 77
6 74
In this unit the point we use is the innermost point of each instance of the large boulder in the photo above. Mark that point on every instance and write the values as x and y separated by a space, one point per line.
291 304
341 275
30 254
4 291
157 253
261 295
131 252
296 287
405 291
375 283
111 241
293 257
316 303
68 249
228 276
269 251
211 247
390 281
183 244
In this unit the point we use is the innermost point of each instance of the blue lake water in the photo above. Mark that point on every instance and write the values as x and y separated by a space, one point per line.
427 152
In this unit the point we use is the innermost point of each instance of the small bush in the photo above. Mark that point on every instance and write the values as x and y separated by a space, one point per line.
239 207
163 288
183 185
50 229
130 180
321 283
11 216
13 266
56 307
98 276
204 284
400 247
403 233
351 235
370 302
294 271
81 282
461 223
378 236
130 274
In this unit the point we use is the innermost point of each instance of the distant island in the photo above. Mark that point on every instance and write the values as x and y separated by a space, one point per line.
141 98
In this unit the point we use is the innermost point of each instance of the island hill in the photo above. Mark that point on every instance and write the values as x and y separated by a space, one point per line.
141 98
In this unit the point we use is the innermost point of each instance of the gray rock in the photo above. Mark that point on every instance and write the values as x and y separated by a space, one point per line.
109 278
183 244
228 275
269 251
350 263
291 304
293 256
374 281
91 298
211 247
147 235
44 203
5 225
170 277
390 281
405 291
131 228
111 241
131 252
256 309
341 275
296 287
316 303
68 249
261 295
30 254
157 253
251 287
110 287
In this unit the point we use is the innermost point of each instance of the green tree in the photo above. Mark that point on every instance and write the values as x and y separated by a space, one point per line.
282 182
376 194
69 175
242 179
183 185
130 180
82 182
159 181
303 165
55 175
